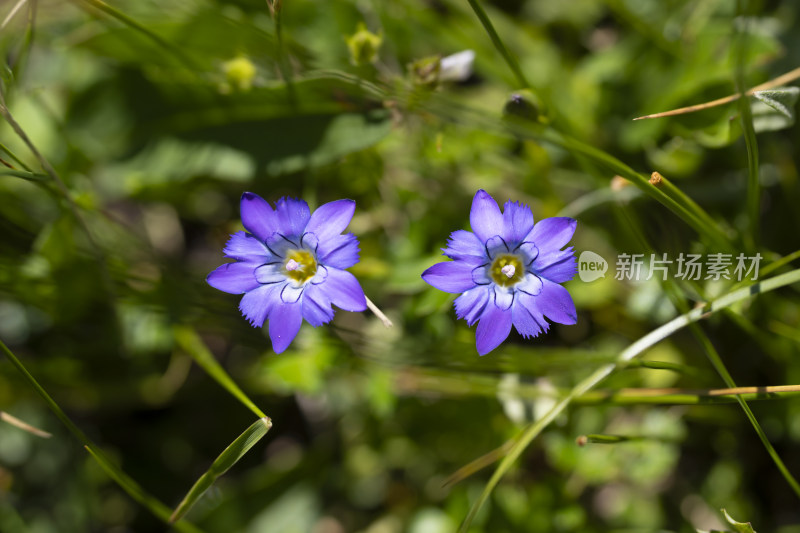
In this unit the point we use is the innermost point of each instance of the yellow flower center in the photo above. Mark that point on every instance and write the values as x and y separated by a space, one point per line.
507 270
299 265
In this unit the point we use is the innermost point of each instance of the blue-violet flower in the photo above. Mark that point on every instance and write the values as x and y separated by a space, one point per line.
508 270
290 265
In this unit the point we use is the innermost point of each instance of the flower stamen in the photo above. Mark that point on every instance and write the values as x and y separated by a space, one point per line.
507 270
300 265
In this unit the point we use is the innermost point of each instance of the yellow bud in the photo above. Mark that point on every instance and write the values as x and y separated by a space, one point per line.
240 73
363 45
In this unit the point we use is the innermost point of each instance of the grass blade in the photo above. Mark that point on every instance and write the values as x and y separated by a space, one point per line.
13 156
190 342
652 338
229 457
666 194
115 13
783 79
136 492
498 43
751 144
28 176
133 489
719 366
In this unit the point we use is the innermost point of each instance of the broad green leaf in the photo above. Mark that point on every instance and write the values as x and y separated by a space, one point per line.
283 128
774 109
229 457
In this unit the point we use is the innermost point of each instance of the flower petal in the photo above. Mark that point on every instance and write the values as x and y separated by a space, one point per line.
310 241
257 304
529 250
485 217
257 216
331 219
234 278
503 298
480 275
293 215
552 234
283 326
497 245
320 276
519 218
558 266
340 251
316 306
270 273
450 276
555 303
344 291
290 292
493 328
531 285
471 304
465 245
246 247
527 320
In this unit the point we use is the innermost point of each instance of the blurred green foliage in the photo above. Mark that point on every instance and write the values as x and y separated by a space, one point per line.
156 129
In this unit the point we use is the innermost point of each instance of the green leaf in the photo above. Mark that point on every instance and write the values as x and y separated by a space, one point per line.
229 457
774 109
318 121
722 133
739 527
190 342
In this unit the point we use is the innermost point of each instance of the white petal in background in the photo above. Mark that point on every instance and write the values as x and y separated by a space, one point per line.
457 67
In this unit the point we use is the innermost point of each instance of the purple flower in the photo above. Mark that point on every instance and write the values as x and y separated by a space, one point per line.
290 265
508 270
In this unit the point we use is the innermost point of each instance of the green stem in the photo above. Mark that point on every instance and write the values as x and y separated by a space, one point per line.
28 176
115 13
655 336
283 56
719 366
666 193
630 397
751 143
498 44
597 438
126 483
99 254
16 159
669 196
